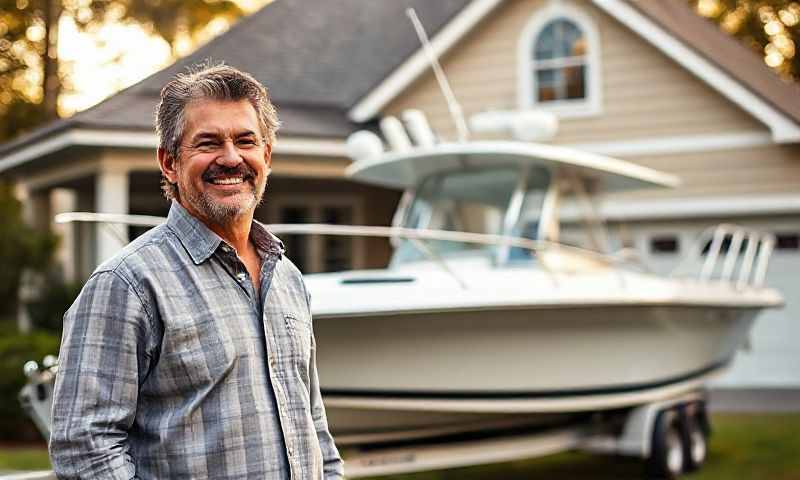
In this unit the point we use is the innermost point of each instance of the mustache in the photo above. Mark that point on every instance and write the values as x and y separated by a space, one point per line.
242 170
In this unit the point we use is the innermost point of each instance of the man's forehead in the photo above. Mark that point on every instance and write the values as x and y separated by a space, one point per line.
210 117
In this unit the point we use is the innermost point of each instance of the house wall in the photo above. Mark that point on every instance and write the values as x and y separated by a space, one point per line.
645 96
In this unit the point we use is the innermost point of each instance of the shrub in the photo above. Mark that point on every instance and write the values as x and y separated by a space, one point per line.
15 350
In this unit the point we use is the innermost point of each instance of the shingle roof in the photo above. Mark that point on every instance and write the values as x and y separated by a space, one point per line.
317 59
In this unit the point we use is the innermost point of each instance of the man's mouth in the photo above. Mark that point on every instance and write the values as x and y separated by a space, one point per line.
226 180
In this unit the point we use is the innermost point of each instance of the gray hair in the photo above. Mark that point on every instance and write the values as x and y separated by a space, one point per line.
216 82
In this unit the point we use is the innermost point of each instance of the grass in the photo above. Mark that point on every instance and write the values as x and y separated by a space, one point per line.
743 447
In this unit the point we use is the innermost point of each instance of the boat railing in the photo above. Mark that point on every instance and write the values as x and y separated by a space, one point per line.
418 237
733 254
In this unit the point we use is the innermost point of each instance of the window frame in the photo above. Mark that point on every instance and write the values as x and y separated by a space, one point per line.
589 106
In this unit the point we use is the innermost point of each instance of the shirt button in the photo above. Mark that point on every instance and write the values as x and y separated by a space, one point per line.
241 276
226 249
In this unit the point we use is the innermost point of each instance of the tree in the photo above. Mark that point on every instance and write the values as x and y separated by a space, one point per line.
770 27
21 248
31 77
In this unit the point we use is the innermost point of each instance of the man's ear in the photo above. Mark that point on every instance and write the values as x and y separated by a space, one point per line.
268 157
168 166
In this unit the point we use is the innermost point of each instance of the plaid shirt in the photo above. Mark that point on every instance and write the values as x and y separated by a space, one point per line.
171 366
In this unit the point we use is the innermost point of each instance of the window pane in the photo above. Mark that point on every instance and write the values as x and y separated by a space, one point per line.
574 77
338 253
547 82
296 245
546 43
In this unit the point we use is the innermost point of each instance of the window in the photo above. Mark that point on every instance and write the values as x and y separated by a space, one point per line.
320 253
559 62
664 244
787 241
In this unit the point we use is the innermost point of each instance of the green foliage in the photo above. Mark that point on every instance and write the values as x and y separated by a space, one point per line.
31 75
21 247
15 350
769 27
47 311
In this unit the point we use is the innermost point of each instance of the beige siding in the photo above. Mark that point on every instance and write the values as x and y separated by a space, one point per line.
645 94
762 170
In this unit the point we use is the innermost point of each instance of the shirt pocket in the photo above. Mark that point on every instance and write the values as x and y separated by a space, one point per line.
197 351
299 331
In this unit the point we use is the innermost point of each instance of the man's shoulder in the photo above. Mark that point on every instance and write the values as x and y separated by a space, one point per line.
143 253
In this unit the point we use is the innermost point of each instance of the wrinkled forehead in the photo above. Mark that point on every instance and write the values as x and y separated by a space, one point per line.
222 118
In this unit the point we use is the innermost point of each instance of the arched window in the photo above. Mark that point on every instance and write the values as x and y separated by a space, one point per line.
559 62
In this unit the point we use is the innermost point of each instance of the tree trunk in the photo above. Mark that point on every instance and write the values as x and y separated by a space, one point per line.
51 82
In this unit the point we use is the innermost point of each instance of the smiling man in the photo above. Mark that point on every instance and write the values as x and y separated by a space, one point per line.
191 353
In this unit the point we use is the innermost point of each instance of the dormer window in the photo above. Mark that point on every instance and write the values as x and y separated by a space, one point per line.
559 62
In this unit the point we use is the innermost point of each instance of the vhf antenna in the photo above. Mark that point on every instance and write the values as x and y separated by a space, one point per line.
444 85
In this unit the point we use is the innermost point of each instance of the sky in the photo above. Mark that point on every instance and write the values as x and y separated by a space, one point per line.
119 55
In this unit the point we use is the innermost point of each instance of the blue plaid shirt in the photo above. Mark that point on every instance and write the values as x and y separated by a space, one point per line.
172 367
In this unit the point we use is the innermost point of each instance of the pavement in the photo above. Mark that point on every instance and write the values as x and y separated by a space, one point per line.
762 400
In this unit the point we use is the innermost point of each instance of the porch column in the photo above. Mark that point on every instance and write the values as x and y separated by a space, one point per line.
111 196
64 200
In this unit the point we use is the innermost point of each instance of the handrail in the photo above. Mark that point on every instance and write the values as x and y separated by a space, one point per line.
759 246
364 231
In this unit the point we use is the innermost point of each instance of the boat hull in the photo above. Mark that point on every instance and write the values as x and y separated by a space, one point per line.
432 370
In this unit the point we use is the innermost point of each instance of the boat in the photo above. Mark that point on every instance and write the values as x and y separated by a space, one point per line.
495 310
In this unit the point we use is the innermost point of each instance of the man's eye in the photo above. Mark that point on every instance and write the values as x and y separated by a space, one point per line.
246 142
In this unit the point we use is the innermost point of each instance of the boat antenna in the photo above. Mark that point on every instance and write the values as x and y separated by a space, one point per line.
452 104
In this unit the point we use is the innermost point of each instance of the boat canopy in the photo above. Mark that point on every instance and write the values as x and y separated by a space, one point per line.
408 169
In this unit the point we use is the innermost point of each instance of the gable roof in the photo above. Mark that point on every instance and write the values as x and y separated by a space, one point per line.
315 69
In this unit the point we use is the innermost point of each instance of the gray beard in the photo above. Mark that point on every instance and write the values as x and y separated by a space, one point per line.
220 214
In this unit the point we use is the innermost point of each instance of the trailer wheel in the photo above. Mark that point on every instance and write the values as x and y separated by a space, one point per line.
694 432
667 454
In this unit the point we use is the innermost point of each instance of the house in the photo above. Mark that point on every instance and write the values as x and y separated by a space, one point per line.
648 82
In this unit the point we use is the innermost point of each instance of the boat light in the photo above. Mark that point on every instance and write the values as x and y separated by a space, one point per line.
364 145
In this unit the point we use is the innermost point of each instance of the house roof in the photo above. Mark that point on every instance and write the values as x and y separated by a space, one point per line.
724 51
319 72
314 68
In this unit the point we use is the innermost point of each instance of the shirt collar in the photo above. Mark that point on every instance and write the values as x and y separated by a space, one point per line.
201 242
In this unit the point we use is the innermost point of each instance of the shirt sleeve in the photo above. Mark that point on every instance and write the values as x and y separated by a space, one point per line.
103 357
333 466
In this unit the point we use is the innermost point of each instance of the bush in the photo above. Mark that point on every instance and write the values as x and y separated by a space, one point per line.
47 311
15 350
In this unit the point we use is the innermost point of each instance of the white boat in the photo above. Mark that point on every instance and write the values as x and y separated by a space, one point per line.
504 305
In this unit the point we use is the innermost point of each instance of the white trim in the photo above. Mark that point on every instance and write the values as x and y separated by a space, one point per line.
418 63
310 146
680 208
526 81
677 144
784 130
111 138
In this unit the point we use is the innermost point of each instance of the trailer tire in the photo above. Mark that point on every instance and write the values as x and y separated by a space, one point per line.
694 433
667 453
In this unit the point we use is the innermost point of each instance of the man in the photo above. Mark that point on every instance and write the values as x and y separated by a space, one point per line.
190 354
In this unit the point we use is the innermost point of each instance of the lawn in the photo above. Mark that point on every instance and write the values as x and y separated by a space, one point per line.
744 447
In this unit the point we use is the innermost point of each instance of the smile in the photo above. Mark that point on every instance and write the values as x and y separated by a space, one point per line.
227 181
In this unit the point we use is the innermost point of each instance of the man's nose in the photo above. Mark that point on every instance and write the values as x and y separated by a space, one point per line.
229 156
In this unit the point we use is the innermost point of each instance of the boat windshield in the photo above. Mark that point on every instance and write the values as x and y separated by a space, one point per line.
474 201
